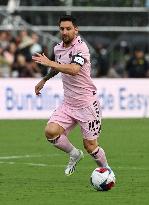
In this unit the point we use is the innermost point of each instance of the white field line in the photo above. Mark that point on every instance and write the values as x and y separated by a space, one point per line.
27 156
60 165
32 156
52 165
36 165
7 162
33 164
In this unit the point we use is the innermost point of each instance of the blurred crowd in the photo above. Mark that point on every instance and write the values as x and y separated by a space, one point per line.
16 59
16 55
122 62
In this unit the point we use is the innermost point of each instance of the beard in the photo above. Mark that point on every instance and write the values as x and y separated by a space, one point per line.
67 39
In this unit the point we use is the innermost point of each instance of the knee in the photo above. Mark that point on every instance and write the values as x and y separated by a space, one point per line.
50 132
90 145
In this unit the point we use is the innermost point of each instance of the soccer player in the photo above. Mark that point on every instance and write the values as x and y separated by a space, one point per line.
80 105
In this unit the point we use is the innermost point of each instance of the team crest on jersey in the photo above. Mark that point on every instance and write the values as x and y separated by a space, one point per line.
70 54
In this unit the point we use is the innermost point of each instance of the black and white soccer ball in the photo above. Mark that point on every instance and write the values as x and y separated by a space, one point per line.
102 179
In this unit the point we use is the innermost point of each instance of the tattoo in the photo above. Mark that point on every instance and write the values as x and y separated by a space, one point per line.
51 74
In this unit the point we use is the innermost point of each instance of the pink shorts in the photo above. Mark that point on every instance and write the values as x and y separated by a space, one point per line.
89 119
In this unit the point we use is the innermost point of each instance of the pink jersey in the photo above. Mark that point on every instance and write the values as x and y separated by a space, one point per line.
79 90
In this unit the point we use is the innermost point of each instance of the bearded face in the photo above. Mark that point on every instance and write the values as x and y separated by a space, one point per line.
68 32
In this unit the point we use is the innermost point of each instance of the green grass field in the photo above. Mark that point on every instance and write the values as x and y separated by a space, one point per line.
32 171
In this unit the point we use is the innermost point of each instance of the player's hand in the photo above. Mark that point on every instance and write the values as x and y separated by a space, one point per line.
39 86
41 59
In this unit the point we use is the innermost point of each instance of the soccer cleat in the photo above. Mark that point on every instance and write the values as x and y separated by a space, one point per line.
73 162
109 168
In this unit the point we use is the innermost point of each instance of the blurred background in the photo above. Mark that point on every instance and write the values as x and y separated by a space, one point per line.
116 31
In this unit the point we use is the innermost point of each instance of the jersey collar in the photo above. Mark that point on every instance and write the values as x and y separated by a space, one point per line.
76 40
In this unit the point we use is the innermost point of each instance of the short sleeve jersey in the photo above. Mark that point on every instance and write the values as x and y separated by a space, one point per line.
79 90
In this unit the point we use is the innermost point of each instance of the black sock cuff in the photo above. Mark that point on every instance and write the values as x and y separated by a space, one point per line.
53 141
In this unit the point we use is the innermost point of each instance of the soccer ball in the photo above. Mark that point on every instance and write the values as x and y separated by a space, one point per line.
102 179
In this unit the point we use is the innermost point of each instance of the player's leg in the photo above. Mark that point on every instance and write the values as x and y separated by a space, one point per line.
95 151
54 134
75 155
91 128
57 130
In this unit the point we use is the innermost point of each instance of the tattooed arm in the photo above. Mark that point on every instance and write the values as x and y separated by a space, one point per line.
41 84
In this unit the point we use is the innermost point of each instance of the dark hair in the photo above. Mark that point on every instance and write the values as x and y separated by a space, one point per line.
68 18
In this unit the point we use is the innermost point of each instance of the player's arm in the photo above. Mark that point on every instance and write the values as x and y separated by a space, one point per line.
71 69
41 83
50 74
